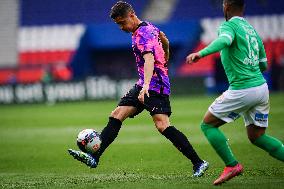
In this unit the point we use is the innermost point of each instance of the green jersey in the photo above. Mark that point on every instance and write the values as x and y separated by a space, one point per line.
242 53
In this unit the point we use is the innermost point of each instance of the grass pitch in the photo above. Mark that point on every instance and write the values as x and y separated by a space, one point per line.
34 140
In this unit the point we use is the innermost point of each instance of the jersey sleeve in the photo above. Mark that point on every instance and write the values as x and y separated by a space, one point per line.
225 38
262 57
215 46
227 31
146 41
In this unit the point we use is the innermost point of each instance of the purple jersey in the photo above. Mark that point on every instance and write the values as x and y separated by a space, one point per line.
144 40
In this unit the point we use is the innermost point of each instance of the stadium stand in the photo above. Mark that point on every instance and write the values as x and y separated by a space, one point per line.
7 76
36 13
270 27
30 75
50 32
196 9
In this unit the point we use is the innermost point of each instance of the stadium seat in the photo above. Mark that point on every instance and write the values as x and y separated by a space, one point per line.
7 76
30 75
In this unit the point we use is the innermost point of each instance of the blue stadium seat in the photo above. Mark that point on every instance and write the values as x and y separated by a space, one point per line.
196 9
34 12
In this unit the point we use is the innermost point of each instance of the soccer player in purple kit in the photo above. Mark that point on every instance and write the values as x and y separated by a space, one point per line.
151 92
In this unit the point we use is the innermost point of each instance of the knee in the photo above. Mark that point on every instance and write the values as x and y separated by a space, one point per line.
254 136
252 139
161 121
123 112
254 133
161 125
117 114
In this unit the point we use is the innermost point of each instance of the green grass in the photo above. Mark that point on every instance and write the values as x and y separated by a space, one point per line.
34 140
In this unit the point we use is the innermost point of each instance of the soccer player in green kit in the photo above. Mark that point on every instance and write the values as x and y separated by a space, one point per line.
244 59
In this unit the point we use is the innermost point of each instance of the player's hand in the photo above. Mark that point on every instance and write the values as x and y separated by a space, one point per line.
194 57
144 90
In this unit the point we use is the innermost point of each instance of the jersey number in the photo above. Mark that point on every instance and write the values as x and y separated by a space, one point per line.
252 47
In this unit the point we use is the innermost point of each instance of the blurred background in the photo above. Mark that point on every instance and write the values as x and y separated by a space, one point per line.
71 50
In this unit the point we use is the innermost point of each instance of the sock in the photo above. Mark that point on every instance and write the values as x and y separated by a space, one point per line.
272 145
180 141
108 134
219 142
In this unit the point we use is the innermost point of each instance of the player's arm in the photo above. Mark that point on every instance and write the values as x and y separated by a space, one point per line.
226 35
262 58
215 46
166 44
148 73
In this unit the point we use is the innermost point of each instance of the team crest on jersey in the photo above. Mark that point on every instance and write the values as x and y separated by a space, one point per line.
261 117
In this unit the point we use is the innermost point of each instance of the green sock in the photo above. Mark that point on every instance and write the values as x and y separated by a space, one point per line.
272 145
219 142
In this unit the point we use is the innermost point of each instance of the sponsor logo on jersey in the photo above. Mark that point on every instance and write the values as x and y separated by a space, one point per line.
261 117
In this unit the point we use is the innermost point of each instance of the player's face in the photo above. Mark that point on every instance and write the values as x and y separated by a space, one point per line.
126 23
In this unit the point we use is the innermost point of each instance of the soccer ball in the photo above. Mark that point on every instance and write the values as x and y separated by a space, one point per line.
89 141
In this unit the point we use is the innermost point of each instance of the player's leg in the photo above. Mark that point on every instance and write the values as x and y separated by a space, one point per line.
180 141
220 144
256 120
160 109
217 139
273 146
129 106
224 109
110 132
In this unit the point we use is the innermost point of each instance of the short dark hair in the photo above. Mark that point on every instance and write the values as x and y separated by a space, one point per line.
236 3
120 9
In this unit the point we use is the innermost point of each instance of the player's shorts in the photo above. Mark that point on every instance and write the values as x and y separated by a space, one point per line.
155 104
252 104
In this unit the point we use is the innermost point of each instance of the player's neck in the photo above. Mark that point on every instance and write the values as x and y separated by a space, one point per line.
238 14
137 22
